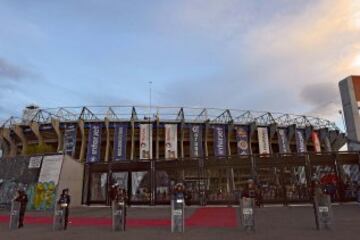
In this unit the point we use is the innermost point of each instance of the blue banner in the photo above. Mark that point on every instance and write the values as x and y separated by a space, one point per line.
219 141
242 139
196 149
70 139
94 142
120 133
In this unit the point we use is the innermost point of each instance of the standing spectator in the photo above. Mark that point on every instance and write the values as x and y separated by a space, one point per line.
22 199
64 202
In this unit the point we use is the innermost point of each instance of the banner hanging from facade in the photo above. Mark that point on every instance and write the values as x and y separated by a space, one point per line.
70 134
219 141
120 133
263 137
283 140
196 149
242 139
146 141
316 141
171 141
300 141
94 142
50 169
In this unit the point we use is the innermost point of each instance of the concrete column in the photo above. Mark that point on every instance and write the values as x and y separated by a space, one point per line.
132 139
206 139
20 133
107 148
5 133
35 128
81 125
182 134
4 145
56 126
157 138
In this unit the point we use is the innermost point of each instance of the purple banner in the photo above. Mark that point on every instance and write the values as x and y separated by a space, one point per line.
70 139
94 142
120 131
283 140
196 149
300 141
242 139
219 141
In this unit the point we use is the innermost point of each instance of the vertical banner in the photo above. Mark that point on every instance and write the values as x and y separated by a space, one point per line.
120 133
219 141
300 140
196 149
170 141
146 141
316 141
70 139
242 139
94 143
263 137
283 140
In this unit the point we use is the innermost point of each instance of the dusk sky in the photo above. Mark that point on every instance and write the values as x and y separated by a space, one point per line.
279 55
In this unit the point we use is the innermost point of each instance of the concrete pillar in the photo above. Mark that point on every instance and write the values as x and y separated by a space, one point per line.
81 125
157 138
107 147
20 133
5 133
206 139
35 128
182 134
132 139
56 126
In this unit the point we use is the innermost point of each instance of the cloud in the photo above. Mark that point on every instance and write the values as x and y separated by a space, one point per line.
10 71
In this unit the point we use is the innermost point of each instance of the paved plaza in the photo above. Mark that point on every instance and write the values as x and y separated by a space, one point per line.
272 222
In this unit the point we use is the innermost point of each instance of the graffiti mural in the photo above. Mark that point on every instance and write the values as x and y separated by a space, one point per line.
42 196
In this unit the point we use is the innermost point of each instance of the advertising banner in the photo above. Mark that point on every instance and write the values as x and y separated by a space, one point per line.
316 141
196 149
35 162
220 141
283 140
94 143
70 139
50 169
170 141
300 140
242 139
120 131
146 141
263 137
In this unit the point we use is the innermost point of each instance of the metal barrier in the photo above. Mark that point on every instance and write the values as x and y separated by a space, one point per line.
59 218
323 211
118 215
14 215
178 213
247 213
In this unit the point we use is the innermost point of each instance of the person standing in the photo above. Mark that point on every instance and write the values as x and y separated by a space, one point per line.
22 199
64 202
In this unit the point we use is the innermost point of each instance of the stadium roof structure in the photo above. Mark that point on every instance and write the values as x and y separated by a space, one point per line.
171 114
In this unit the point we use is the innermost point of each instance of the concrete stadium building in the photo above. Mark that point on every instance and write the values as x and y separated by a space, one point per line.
146 150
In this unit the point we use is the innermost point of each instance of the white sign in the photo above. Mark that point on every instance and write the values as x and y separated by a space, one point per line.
170 141
323 209
263 137
247 211
145 141
50 169
35 162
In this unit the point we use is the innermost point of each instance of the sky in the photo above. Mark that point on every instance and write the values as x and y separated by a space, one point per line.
279 55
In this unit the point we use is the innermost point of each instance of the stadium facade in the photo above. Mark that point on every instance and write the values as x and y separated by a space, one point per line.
147 149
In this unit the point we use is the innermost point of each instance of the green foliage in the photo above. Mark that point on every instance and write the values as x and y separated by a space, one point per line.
39 148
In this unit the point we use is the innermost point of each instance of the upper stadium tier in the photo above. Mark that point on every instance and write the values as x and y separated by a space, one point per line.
100 133
166 114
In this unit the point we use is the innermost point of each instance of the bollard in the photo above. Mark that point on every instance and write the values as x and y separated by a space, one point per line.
14 215
247 213
323 211
118 215
59 218
177 213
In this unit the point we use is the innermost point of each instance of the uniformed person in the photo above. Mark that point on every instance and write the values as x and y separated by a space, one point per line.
64 202
22 199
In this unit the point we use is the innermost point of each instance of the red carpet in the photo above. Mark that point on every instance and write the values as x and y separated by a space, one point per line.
202 217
